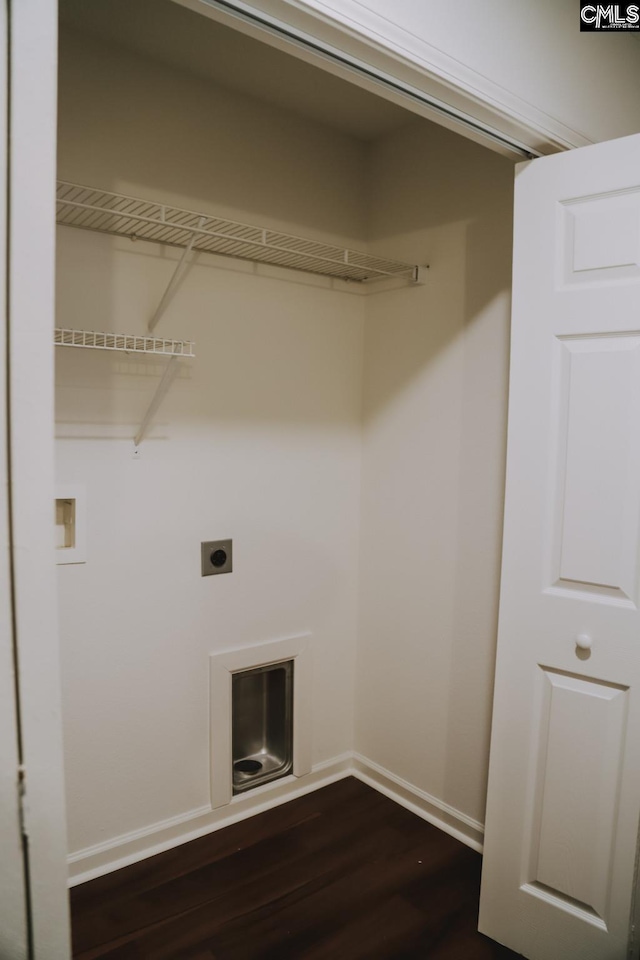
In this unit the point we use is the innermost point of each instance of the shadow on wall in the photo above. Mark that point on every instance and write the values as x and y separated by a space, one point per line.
444 201
170 136
483 447
272 347
436 376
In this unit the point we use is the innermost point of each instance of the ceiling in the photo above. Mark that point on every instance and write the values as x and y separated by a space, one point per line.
173 35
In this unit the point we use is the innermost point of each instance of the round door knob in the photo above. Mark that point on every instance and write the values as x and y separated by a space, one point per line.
583 641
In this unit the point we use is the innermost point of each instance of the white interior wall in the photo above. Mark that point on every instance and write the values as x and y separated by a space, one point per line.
258 440
435 403
534 52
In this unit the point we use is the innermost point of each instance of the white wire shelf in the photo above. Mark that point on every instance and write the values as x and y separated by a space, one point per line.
114 213
127 343
130 343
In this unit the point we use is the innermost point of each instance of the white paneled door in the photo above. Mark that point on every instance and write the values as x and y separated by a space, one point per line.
564 782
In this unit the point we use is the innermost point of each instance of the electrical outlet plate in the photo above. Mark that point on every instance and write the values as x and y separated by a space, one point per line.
216 557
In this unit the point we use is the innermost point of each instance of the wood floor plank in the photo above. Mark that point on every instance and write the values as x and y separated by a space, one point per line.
228 883
375 934
293 877
180 860
345 894
343 872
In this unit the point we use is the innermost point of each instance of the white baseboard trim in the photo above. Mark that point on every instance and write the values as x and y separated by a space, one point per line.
440 814
103 858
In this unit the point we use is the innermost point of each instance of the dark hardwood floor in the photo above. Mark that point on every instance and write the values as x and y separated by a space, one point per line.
339 874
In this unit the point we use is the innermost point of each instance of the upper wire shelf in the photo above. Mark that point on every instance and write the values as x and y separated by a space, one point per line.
115 213
128 343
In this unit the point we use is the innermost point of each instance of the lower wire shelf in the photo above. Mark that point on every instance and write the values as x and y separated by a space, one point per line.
132 343
128 343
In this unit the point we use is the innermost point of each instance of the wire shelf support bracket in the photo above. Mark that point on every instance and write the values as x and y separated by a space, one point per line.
174 282
161 390
175 350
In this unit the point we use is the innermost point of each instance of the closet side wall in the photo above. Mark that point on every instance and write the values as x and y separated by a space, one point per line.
257 440
436 363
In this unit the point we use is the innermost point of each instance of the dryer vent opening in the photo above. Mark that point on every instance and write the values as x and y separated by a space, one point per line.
262 724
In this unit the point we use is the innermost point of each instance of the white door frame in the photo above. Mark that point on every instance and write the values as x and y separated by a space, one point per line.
29 580
14 933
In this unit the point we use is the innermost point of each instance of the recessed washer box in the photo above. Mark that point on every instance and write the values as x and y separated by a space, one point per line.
262 724
271 720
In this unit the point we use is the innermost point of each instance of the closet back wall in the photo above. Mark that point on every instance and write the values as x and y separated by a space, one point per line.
258 439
